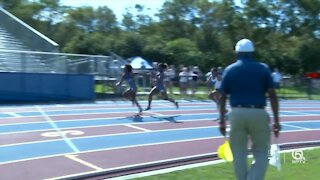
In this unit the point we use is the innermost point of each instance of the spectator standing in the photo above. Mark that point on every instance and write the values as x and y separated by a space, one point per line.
183 80
195 76
170 78
277 77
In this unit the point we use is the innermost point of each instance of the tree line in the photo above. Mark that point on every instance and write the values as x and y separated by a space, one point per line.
286 33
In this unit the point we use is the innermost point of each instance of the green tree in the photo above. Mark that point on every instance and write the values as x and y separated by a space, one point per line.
135 19
129 44
83 18
92 43
176 19
183 51
106 21
154 49
309 55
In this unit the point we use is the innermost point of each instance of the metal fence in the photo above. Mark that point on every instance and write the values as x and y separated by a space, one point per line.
108 69
299 87
48 62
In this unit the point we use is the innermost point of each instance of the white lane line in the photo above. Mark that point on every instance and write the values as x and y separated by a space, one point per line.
165 105
136 127
107 135
111 104
158 114
132 133
92 107
75 158
55 127
78 112
60 105
141 145
110 149
161 171
13 114
74 176
119 117
93 126
299 127
100 112
298 112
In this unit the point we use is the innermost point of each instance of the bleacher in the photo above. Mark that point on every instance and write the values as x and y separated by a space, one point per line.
11 61
17 37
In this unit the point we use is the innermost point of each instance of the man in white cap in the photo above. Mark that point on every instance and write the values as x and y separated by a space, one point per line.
246 82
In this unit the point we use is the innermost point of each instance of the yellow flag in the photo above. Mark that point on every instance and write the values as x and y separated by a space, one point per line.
224 152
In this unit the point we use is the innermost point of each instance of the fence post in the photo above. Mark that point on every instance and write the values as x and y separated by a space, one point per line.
92 65
309 88
23 62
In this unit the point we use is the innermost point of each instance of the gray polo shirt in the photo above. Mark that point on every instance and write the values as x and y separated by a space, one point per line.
247 81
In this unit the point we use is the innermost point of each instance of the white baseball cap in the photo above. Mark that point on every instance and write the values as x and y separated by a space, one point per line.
244 45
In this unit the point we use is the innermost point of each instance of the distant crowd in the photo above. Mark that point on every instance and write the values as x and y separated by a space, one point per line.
186 78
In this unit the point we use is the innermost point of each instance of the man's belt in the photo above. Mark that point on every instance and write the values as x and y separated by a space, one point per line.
249 106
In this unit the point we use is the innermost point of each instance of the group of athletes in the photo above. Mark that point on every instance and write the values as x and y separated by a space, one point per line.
159 87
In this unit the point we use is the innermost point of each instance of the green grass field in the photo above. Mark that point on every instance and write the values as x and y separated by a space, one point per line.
290 171
202 93
298 93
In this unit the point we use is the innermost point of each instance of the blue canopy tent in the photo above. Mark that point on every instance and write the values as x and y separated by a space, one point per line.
143 68
140 63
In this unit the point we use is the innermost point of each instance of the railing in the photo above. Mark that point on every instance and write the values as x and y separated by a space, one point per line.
29 36
108 69
50 62
299 87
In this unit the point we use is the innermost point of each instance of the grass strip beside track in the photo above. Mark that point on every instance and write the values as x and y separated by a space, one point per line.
290 170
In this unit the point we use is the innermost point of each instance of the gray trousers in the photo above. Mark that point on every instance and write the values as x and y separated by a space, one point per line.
253 124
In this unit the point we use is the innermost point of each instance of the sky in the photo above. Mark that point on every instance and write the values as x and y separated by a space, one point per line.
119 6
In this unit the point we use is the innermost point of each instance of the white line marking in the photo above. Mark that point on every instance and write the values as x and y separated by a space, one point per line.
158 114
75 158
13 114
92 126
299 127
74 176
57 134
60 105
124 147
162 171
55 127
139 128
165 105
102 113
108 135
99 113
301 113
110 149
168 170
77 107
106 118
131 133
